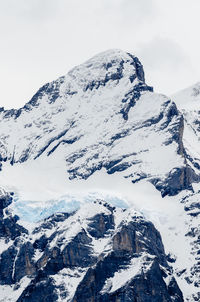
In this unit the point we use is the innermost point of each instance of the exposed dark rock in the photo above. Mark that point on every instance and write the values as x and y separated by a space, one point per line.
53 140
100 224
138 68
146 286
24 265
6 265
9 229
137 240
131 98
41 289
50 222
178 179
5 201
40 243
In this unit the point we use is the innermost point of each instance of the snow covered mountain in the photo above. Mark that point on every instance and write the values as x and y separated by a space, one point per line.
101 115
101 132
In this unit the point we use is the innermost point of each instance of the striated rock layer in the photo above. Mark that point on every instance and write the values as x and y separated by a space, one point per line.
98 253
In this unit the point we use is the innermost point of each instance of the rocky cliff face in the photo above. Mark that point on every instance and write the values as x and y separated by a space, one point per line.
106 95
101 127
99 253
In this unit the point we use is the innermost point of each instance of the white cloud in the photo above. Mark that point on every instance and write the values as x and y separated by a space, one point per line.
161 53
130 12
166 64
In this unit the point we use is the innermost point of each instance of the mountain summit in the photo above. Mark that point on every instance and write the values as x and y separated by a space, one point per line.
102 115
117 168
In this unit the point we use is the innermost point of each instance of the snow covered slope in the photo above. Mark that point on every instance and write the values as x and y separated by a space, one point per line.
188 102
100 132
101 115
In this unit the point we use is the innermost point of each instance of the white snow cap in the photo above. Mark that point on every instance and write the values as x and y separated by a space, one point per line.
107 63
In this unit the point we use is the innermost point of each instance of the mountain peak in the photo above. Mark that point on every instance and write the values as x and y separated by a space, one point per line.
112 65
82 157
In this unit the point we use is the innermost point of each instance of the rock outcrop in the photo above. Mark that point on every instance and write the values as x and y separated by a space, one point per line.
98 253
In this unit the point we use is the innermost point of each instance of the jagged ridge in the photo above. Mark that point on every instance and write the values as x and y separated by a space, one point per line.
132 125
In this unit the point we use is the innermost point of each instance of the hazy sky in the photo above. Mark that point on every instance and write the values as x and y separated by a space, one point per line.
41 40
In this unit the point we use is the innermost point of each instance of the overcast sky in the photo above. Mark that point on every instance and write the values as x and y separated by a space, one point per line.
42 39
